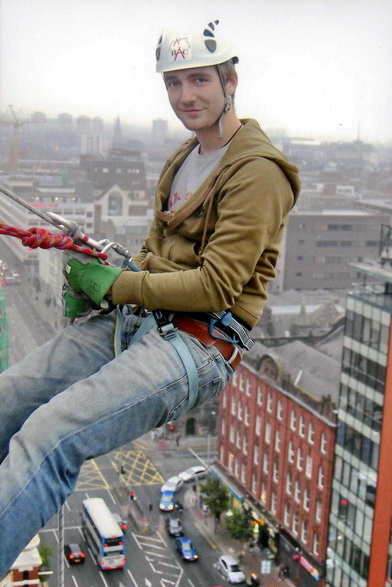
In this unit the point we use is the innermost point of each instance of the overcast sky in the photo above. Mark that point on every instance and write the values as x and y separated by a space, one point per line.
319 68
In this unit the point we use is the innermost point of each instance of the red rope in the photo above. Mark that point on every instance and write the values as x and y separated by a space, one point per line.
39 237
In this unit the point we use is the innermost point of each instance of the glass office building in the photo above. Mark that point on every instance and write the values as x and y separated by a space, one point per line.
360 548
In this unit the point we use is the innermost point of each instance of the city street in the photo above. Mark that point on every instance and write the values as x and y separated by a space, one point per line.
151 557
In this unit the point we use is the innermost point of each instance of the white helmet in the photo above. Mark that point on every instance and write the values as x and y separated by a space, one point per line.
180 50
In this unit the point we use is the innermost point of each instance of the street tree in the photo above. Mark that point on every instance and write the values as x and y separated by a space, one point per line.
239 526
215 496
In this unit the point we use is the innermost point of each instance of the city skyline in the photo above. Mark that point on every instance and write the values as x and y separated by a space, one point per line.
314 68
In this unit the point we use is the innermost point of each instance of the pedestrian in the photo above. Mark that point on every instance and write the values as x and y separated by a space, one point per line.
178 438
222 202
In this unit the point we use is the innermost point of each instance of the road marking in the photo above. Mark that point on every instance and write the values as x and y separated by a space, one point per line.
103 578
133 580
139 469
75 581
91 477
111 495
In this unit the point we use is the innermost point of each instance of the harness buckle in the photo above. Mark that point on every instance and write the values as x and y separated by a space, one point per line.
165 327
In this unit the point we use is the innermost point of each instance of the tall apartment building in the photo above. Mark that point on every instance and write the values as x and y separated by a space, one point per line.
276 436
319 247
360 546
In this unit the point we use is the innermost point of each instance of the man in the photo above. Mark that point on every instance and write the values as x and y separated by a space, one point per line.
221 206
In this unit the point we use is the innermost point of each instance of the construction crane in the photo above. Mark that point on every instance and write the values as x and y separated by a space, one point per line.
14 151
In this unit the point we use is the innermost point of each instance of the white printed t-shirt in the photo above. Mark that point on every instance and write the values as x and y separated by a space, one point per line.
195 169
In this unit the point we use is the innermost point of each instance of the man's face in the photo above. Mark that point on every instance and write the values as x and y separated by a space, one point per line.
196 96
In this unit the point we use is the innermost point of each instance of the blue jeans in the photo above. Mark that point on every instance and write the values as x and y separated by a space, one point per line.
73 400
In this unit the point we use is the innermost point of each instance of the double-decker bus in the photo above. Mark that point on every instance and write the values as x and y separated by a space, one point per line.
102 534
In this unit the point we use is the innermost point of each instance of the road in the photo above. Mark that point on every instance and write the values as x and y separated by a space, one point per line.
151 558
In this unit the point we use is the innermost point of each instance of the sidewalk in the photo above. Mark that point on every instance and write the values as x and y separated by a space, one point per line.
218 536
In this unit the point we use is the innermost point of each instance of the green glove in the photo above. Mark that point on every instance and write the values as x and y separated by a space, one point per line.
75 304
93 278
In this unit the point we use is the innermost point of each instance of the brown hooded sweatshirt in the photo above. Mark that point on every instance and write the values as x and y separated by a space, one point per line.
219 250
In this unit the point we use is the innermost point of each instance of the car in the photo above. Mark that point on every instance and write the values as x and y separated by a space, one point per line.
167 501
197 472
185 549
120 521
174 526
74 554
172 484
229 566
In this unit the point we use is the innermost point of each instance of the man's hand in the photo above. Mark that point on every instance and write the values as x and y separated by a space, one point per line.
75 304
92 278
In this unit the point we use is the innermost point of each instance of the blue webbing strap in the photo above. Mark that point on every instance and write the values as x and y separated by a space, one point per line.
170 333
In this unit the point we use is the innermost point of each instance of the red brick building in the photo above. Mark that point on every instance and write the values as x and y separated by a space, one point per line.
276 441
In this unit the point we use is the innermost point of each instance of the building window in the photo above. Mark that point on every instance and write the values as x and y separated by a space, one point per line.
294 527
315 543
245 445
258 425
323 443
268 433
236 467
232 433
269 403
274 501
241 382
300 459
286 515
291 452
246 418
277 440
289 483
318 510
266 463
254 484
320 480
297 491
301 426
293 420
275 472
306 501
224 400
231 462
311 433
248 387
239 411
309 466
223 426
238 443
259 399
243 473
304 531
233 406
263 494
279 410
256 455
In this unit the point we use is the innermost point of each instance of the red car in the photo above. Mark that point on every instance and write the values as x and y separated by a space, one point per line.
74 554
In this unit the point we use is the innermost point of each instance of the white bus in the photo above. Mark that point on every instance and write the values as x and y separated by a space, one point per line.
102 534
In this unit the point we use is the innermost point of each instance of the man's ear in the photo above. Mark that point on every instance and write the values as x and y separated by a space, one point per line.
231 84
